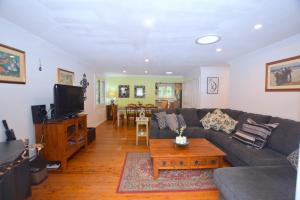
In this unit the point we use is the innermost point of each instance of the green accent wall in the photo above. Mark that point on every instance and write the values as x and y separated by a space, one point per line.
149 82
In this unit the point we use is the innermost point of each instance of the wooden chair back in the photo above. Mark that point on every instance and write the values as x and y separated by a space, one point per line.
131 113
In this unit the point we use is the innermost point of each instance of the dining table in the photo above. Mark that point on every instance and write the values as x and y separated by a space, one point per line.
122 110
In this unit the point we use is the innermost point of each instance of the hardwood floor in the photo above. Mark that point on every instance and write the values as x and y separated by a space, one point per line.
94 172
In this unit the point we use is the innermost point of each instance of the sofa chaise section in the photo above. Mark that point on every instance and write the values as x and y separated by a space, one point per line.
259 183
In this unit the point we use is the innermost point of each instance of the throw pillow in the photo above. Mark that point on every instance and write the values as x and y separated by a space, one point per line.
215 122
217 119
254 134
206 122
181 122
172 121
228 124
161 119
293 158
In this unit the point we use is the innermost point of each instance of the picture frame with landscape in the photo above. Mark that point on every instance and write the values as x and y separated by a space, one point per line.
65 77
12 65
283 75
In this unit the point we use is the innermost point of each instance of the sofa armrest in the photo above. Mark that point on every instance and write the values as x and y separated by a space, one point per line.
154 130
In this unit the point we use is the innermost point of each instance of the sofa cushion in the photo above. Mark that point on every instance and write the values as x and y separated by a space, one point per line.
293 158
206 121
190 116
256 117
286 136
172 122
166 134
257 157
234 114
161 119
202 112
181 122
254 134
220 139
168 111
195 132
228 124
259 183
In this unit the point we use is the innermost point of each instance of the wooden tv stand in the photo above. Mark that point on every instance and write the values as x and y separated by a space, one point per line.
62 138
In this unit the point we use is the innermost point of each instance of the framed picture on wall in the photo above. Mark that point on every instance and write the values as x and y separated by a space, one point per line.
283 75
65 77
139 91
212 85
123 91
12 65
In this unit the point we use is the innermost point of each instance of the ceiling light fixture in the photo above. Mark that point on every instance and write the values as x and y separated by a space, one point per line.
257 26
149 23
146 71
169 73
124 71
146 60
218 50
208 39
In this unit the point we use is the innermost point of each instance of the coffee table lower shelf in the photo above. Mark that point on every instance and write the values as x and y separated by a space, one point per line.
186 163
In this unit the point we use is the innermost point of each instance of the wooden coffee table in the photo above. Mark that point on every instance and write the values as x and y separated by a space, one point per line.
199 154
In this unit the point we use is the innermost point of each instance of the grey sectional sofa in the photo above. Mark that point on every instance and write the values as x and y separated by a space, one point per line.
257 174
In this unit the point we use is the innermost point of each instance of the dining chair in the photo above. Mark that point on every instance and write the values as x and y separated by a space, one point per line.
115 115
148 109
131 114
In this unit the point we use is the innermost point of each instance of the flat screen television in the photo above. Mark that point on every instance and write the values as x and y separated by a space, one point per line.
68 100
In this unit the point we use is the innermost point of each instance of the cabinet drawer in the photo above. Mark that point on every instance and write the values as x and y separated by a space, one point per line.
212 162
197 162
208 162
181 163
165 163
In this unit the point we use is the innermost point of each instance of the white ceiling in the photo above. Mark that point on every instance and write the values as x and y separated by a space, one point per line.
110 34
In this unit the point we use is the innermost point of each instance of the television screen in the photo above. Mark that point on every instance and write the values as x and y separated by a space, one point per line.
68 100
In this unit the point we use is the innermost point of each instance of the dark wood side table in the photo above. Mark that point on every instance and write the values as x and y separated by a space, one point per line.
109 113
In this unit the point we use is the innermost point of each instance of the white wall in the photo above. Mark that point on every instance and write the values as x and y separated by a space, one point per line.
191 89
195 88
16 99
247 82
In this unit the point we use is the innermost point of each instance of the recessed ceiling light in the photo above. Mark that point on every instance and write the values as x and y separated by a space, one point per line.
218 50
258 26
149 23
124 71
169 72
146 71
146 60
208 39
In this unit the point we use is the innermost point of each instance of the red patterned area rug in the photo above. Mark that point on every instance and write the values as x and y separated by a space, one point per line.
137 177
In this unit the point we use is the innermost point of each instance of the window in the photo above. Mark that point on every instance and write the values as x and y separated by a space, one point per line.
166 91
100 92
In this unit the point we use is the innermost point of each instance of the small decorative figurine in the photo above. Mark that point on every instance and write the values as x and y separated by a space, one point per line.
84 83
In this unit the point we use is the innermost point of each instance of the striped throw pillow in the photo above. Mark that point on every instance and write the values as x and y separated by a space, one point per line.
161 119
172 121
181 122
254 134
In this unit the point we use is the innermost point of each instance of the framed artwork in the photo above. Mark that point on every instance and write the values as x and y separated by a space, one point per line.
65 77
139 91
283 75
12 65
123 91
212 85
